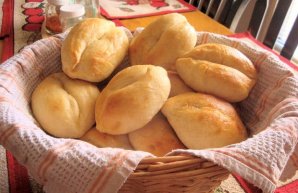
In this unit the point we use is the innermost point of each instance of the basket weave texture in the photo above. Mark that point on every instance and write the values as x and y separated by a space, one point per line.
68 165
175 174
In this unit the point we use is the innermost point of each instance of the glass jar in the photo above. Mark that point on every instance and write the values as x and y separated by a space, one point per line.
91 7
70 15
52 13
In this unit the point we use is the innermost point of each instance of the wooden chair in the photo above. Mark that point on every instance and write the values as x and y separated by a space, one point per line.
270 24
208 5
274 27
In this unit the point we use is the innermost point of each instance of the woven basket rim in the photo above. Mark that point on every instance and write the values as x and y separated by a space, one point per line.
175 173
158 166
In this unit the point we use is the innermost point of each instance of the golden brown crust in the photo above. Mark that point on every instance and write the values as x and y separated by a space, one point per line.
131 99
225 55
219 70
203 121
64 107
93 49
163 41
216 79
156 137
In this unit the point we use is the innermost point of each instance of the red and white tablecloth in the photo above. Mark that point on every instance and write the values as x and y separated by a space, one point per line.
124 9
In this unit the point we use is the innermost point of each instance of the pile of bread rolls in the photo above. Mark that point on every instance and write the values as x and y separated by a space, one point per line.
174 94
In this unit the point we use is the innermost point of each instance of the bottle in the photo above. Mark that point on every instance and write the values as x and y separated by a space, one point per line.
91 7
70 15
52 13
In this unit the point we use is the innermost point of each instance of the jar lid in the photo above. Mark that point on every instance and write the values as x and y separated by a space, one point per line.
58 2
72 10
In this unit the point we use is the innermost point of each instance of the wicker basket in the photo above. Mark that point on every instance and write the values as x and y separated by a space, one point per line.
182 173
175 174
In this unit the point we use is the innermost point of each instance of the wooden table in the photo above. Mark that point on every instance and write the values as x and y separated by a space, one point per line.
199 20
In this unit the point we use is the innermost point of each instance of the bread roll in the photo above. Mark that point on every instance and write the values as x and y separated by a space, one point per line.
64 107
177 84
219 70
203 121
93 49
99 139
163 41
156 137
131 99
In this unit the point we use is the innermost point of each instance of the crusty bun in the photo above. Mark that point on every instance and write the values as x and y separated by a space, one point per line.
177 84
93 49
131 99
219 70
163 41
99 139
156 137
203 121
64 107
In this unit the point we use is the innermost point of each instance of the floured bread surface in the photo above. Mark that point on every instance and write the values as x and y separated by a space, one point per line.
163 41
64 107
131 99
203 121
156 137
218 70
93 49
99 139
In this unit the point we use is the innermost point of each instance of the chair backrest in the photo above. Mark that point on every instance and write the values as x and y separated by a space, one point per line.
243 16
271 24
282 33
269 27
206 6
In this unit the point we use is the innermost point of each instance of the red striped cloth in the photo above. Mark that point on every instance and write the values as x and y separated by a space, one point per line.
17 175
291 187
18 179
7 33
